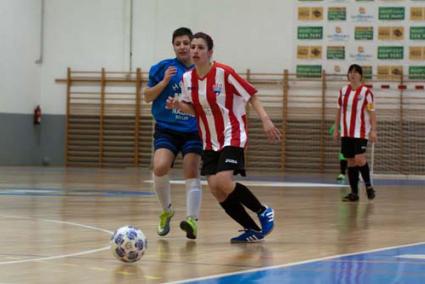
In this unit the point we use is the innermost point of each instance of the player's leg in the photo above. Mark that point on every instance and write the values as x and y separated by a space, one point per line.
342 168
364 169
232 158
191 164
164 155
232 162
221 186
348 149
190 145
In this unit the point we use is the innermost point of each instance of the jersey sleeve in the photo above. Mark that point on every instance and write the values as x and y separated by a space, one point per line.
370 100
156 74
242 87
339 103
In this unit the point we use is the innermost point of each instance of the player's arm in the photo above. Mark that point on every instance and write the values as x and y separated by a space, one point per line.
372 117
336 124
174 103
373 136
151 93
273 134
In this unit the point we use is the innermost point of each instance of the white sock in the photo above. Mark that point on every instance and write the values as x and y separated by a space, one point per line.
163 191
193 197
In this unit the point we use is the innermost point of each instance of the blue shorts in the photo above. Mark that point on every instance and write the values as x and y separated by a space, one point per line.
177 141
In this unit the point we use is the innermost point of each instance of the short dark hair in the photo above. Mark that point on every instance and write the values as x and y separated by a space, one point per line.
207 38
182 32
357 68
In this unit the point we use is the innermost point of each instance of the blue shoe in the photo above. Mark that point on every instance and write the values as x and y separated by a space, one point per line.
248 236
267 220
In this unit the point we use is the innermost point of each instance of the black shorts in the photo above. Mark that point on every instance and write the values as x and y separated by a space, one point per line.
351 147
229 158
177 141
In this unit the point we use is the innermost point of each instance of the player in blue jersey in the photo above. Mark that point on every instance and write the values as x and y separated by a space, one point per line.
174 132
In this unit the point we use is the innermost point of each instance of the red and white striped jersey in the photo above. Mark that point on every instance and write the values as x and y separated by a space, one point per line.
219 100
354 107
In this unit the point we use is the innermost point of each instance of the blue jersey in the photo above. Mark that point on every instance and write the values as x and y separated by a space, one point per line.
165 118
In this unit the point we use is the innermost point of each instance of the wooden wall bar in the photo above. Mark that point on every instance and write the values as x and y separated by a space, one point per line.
109 125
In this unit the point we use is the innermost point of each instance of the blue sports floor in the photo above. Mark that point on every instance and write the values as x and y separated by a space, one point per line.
405 264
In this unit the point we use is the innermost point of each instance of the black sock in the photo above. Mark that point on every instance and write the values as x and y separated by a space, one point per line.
353 177
247 198
343 166
234 209
365 171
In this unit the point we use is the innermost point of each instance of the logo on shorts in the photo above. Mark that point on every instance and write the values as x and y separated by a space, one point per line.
231 161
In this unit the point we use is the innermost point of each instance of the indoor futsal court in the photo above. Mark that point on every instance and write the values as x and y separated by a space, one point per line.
312 97
58 222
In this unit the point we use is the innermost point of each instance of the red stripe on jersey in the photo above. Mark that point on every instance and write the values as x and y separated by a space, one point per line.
200 111
362 119
354 111
344 110
234 123
212 101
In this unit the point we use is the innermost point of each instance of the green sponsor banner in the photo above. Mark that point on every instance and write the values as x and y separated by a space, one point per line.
310 32
335 52
417 72
337 13
391 13
309 71
367 72
417 33
390 52
363 33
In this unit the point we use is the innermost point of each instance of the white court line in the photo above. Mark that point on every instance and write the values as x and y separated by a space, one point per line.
292 264
63 255
412 256
271 183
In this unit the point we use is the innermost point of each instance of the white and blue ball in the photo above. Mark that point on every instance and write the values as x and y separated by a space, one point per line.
128 244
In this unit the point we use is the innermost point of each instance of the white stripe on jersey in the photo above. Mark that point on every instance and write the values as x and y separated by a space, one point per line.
244 94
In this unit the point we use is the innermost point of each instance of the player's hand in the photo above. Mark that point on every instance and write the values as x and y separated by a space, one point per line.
171 103
336 134
273 134
170 72
373 137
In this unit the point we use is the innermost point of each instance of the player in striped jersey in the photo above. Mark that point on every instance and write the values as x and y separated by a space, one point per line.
217 96
356 118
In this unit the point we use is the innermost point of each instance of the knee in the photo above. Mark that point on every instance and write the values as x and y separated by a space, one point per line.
160 170
351 162
360 161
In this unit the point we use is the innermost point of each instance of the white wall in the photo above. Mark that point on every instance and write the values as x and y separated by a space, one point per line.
91 34
19 49
247 33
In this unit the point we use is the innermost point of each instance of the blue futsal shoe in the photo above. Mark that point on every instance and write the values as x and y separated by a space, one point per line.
267 220
248 236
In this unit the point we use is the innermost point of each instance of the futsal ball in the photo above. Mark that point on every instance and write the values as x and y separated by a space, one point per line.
128 244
